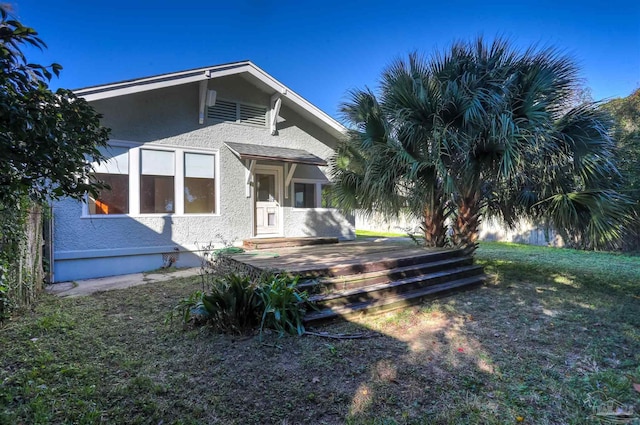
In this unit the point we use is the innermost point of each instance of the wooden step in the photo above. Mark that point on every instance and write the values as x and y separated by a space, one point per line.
386 289
270 243
341 283
359 267
395 301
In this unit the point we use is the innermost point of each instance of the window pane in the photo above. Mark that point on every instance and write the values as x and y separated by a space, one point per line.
304 195
114 201
156 194
266 187
199 196
157 163
157 169
117 161
198 165
199 184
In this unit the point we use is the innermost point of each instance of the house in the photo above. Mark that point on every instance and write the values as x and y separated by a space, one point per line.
210 155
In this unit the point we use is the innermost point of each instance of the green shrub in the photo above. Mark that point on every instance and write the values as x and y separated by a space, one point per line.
232 305
189 309
237 304
282 304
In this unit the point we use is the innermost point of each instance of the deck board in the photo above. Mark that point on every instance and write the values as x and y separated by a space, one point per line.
281 242
309 258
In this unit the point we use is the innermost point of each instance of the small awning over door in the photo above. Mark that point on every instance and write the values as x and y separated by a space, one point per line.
272 153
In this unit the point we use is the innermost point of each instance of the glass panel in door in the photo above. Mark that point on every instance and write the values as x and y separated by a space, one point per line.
266 187
267 207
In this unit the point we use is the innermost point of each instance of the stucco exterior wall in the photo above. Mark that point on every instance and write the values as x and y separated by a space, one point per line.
101 245
318 222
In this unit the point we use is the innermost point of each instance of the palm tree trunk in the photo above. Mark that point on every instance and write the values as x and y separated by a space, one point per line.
433 226
467 222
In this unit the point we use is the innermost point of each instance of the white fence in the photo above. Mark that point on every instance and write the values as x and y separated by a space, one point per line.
525 232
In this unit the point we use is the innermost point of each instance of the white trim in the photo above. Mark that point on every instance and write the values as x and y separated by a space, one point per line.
318 193
184 77
301 210
276 102
204 84
118 252
289 176
134 181
178 183
251 165
115 91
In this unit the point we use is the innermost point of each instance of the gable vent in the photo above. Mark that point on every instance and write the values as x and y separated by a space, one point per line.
223 111
242 113
253 115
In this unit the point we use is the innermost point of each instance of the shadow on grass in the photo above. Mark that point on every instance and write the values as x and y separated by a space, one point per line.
530 346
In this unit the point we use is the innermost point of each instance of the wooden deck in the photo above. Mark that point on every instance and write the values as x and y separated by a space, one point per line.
306 260
272 243
362 277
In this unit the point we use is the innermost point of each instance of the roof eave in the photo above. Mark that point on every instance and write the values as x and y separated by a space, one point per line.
123 88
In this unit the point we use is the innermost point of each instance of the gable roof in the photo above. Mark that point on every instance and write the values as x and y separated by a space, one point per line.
246 69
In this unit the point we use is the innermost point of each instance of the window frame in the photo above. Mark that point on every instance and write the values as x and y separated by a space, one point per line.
214 178
317 194
88 198
135 169
173 176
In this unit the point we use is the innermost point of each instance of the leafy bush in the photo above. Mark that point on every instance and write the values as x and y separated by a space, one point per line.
233 305
283 305
189 309
237 304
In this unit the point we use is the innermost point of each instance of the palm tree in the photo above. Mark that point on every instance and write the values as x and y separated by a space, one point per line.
483 129
375 171
572 183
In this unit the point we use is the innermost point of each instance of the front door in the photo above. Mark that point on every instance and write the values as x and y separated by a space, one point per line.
267 197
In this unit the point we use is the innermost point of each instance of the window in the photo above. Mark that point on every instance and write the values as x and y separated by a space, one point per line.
241 113
312 194
199 184
157 188
115 172
304 195
150 180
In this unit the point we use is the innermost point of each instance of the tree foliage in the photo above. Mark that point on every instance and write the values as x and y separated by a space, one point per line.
47 143
626 113
47 139
482 129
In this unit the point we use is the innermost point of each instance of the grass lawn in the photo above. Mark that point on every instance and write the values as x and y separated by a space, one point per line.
376 234
553 338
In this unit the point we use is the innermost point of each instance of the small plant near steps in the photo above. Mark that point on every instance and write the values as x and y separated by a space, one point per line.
238 304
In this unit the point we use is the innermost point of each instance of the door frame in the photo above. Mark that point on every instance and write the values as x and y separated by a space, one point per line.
278 170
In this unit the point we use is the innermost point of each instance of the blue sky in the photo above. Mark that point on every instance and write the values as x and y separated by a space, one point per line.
322 49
